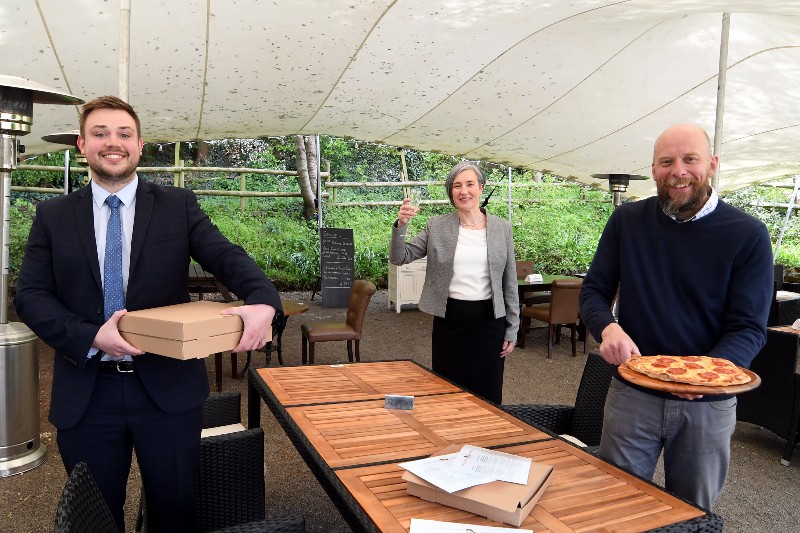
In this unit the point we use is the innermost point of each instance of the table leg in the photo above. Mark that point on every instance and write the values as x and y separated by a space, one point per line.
253 403
280 325
218 370
279 332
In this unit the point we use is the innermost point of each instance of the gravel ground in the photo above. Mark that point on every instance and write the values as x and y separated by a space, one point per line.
761 494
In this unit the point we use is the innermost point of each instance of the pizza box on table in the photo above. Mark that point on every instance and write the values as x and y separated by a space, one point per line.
501 501
183 331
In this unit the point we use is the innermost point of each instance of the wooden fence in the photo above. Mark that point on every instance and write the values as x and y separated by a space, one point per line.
179 172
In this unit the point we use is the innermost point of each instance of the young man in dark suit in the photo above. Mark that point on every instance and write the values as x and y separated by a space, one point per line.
108 397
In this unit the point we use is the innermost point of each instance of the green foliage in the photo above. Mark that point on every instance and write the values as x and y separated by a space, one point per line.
556 223
765 203
283 244
21 218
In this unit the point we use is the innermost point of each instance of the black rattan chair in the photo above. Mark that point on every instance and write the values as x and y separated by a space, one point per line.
230 494
584 420
230 489
222 409
82 507
775 405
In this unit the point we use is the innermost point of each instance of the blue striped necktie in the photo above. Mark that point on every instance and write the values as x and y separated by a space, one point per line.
113 293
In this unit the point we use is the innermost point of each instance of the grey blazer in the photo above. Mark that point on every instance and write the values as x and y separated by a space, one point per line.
438 241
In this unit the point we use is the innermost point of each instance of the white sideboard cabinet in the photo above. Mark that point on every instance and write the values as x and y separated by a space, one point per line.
405 283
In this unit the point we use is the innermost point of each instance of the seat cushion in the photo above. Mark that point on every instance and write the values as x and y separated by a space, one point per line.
328 331
221 430
782 296
538 312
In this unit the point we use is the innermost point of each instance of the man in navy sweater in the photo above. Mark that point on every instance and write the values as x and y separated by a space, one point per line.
693 276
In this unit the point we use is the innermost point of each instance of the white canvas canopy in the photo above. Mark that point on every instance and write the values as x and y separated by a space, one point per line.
574 87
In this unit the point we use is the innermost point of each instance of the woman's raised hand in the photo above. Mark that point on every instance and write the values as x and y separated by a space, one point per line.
406 213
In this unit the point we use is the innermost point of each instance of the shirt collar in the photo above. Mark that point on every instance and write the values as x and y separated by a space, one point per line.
126 195
707 209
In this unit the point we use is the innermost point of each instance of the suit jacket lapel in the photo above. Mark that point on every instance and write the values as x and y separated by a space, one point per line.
84 214
492 243
144 210
451 229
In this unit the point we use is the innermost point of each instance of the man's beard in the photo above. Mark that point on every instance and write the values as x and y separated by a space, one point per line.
114 175
683 209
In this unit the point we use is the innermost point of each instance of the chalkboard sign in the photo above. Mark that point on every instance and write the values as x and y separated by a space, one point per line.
337 265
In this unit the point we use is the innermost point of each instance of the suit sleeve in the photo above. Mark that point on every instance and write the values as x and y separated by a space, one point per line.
602 280
37 302
511 288
402 252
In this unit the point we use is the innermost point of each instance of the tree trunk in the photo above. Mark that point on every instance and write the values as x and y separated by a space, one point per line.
303 180
311 157
201 153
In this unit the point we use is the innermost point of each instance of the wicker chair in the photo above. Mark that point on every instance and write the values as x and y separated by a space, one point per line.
584 420
775 405
312 332
222 409
82 507
230 494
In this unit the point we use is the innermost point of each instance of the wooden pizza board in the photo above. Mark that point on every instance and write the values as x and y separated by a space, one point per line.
684 388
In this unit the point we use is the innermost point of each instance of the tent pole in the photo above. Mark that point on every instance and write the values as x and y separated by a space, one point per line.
124 48
723 75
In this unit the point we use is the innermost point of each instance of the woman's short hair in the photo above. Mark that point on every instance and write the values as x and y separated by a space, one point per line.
458 169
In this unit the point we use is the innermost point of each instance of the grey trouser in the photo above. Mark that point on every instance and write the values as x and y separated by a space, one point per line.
695 436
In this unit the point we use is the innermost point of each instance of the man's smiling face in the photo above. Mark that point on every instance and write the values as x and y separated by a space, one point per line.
682 167
112 146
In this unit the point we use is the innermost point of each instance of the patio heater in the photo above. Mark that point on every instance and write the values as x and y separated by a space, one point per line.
618 184
20 447
69 138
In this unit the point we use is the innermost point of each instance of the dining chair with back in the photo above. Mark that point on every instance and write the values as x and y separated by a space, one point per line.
82 507
230 489
563 309
350 330
584 420
524 269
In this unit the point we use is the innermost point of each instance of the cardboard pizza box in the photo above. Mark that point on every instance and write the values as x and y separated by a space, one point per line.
183 331
500 501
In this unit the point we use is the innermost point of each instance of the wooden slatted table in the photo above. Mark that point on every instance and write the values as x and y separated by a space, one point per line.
358 433
342 383
334 416
585 494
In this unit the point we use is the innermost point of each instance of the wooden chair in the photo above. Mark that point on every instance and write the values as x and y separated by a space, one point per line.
562 310
312 332
82 507
525 268
584 420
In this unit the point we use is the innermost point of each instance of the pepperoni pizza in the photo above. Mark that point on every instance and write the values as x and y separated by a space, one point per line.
691 369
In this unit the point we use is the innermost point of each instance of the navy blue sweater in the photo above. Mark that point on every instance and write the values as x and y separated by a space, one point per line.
697 288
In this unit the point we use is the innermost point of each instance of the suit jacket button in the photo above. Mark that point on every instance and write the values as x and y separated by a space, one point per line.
99 310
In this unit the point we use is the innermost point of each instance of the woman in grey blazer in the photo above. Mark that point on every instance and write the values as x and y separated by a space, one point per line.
470 285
